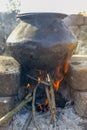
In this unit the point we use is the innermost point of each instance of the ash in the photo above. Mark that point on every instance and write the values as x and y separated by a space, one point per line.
67 119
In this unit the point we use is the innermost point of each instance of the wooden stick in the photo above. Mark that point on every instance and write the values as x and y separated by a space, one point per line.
42 82
17 108
53 104
48 96
27 123
33 108
51 98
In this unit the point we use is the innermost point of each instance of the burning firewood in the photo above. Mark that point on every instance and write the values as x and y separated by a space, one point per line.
52 101
50 97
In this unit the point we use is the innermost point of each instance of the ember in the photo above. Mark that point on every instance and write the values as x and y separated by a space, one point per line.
39 79
40 106
28 86
46 102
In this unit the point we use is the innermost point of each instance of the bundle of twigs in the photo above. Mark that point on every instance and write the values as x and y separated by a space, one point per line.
51 98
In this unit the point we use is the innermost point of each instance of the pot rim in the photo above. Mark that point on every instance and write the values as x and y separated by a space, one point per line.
41 14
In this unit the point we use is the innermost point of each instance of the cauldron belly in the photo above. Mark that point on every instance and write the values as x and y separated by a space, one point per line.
42 58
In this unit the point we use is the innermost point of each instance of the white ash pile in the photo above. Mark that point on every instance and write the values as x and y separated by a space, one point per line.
67 119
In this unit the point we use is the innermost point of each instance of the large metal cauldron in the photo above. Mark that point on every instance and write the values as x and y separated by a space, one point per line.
41 40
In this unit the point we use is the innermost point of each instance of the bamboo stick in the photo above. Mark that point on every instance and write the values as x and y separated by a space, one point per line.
17 108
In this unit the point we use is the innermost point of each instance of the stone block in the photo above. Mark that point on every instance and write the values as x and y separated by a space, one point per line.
80 102
9 76
74 20
78 58
83 28
77 76
85 20
6 104
74 29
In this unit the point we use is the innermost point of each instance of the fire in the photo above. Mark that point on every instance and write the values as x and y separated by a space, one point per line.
28 86
38 79
66 67
57 83
46 102
60 75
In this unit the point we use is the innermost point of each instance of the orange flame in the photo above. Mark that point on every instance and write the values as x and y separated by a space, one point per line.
66 67
38 79
46 102
60 75
28 86
57 83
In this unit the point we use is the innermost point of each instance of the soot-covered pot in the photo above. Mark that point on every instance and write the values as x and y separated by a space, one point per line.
41 40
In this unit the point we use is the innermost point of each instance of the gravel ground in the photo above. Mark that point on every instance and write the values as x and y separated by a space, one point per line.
67 119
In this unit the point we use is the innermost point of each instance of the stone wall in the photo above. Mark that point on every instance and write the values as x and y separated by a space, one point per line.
78 67
78 24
